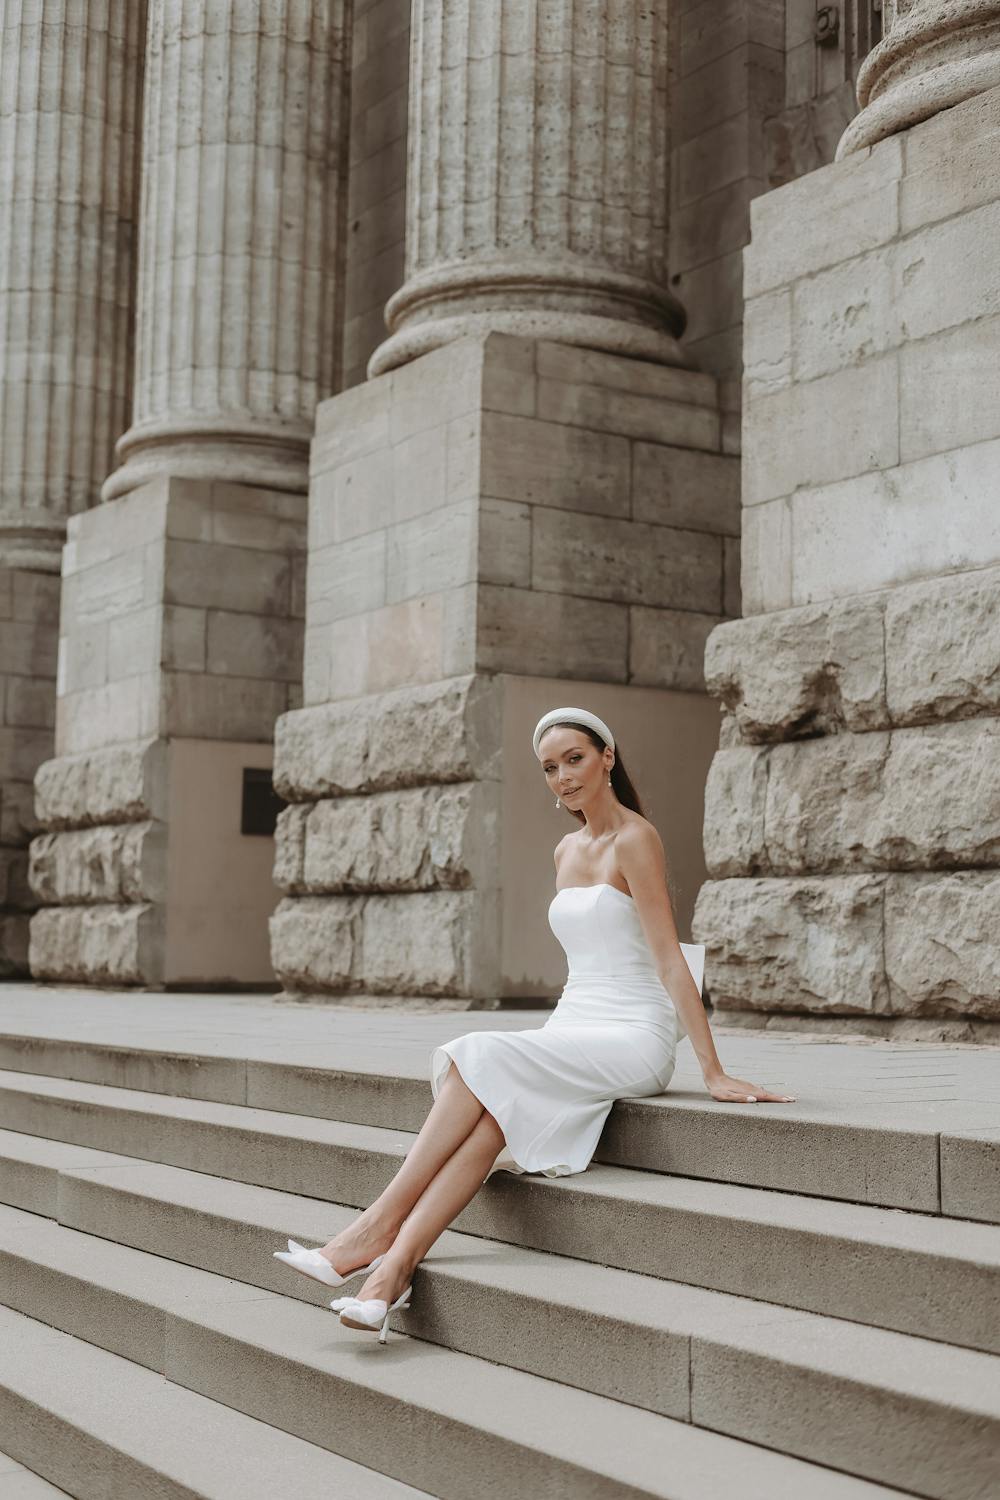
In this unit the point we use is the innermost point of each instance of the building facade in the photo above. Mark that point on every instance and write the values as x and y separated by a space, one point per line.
389 372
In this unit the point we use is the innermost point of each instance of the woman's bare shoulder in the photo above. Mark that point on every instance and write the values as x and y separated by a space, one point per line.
564 843
638 835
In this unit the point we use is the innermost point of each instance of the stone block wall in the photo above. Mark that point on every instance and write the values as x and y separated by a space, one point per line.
819 97
376 209
728 78
852 824
387 854
508 501
181 622
29 627
501 506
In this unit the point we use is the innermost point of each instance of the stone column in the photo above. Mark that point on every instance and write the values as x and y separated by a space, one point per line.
238 313
935 54
69 97
539 178
532 504
181 628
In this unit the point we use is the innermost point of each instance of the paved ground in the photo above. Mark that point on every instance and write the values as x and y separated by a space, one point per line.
946 1086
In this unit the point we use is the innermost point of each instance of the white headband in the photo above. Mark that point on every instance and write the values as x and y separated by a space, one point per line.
580 715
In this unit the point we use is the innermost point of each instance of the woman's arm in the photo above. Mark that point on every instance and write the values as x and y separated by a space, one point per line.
642 861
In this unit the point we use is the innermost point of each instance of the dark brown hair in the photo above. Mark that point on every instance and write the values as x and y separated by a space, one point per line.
621 782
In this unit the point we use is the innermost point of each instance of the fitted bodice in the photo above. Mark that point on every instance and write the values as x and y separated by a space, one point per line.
603 938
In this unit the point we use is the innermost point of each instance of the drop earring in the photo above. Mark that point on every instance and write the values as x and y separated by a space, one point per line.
558 803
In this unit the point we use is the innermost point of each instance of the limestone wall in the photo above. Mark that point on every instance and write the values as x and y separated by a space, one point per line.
852 826
376 210
180 626
501 506
728 79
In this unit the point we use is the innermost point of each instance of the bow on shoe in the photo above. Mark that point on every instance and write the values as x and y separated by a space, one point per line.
369 1312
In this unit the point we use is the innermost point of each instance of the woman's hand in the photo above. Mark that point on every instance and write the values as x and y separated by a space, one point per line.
735 1091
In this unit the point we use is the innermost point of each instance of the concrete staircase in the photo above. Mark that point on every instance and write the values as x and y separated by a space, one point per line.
729 1301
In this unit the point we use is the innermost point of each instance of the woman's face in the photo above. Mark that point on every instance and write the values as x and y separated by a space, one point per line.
574 768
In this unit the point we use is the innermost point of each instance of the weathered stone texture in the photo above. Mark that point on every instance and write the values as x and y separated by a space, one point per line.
801 672
315 942
98 944
424 943
115 864
923 653
942 648
941 952
446 731
913 799
794 945
415 839
121 784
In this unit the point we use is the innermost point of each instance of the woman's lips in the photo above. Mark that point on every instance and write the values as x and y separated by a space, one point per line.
571 793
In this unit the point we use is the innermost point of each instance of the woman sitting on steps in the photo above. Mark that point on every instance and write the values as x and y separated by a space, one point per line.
537 1100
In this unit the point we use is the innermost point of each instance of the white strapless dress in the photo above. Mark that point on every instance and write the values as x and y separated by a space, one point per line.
613 1035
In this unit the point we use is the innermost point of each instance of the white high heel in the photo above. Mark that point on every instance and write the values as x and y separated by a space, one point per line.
368 1313
311 1263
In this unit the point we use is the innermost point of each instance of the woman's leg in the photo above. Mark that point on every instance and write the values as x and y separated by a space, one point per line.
453 1116
453 1187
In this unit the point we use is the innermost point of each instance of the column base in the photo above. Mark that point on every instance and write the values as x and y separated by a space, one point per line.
579 330
934 57
265 455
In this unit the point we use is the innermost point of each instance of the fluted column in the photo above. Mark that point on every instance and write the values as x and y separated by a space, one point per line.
237 335
538 178
69 91
935 54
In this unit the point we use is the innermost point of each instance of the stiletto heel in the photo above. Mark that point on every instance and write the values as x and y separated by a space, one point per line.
312 1263
369 1313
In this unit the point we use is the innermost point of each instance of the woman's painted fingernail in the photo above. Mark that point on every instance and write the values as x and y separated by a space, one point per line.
751 1098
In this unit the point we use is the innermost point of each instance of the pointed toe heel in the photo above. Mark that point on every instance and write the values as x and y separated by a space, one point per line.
309 1262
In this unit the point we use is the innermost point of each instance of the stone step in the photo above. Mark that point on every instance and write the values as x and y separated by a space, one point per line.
822 1387
19 1483
99 1426
914 1273
900 1158
466 1419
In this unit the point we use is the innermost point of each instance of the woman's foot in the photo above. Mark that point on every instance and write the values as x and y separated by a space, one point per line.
358 1244
387 1282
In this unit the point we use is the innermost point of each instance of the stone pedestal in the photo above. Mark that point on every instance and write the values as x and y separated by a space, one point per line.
69 92
180 644
852 816
496 528
538 180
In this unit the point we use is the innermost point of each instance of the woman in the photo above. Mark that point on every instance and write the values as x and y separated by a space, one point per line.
536 1100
